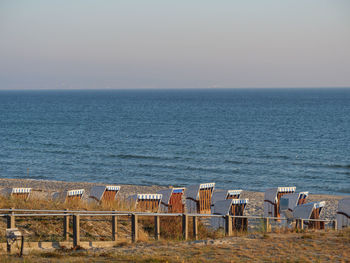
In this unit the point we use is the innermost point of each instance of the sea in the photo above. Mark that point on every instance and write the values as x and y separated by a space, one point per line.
250 139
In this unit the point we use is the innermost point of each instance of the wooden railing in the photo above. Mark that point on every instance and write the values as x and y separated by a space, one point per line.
76 215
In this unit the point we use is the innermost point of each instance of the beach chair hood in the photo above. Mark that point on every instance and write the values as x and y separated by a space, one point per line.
61 196
271 194
304 211
292 199
219 194
193 192
166 194
98 191
223 207
343 213
344 206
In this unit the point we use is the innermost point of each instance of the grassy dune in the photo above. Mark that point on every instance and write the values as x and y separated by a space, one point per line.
280 246
328 246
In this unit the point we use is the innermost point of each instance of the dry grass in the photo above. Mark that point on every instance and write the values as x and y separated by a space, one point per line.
51 228
313 246
93 228
282 245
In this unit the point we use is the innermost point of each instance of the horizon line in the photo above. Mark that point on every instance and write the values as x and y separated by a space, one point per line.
204 88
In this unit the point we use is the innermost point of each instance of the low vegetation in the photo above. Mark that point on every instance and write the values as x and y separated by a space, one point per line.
314 246
281 245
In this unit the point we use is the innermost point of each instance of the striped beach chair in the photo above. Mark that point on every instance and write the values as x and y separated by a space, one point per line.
272 200
104 194
310 211
147 202
198 198
219 195
19 192
343 213
173 200
233 207
69 195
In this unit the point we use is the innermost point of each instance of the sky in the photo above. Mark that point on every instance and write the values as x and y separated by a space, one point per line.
101 44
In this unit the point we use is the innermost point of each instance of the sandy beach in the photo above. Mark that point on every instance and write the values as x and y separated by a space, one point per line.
45 188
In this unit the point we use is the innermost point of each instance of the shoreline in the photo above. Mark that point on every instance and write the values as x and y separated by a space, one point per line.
255 206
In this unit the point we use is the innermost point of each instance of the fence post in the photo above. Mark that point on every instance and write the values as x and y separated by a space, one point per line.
114 227
267 224
195 227
157 227
228 225
134 228
301 224
76 230
185 226
335 225
66 226
11 224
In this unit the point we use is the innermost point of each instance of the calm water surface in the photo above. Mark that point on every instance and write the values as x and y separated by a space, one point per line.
250 139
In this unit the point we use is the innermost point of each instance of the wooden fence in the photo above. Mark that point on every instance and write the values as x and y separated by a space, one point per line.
67 215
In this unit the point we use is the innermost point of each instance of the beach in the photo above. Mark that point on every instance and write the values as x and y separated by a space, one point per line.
45 188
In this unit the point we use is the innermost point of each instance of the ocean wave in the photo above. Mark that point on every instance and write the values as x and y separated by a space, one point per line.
234 162
284 157
336 166
136 156
190 168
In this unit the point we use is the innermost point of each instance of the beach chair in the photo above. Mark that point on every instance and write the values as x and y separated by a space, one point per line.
69 195
173 200
272 200
104 194
343 213
19 192
310 211
290 201
233 207
219 195
198 198
147 202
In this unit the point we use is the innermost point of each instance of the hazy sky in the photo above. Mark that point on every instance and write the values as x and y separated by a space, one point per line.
174 44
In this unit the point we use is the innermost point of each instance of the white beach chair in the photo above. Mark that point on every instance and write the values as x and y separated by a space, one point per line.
272 200
147 202
198 198
69 195
18 192
343 213
310 211
104 194
173 200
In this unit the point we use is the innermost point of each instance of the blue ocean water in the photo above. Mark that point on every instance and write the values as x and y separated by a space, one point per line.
239 138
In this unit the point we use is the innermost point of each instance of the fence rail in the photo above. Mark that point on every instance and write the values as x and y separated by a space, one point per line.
75 215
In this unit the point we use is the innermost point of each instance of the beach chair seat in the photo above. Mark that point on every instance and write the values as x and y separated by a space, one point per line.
199 198
19 192
104 194
343 213
310 211
173 200
272 200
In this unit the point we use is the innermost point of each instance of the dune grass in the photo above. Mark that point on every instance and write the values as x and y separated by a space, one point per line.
281 245
314 246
